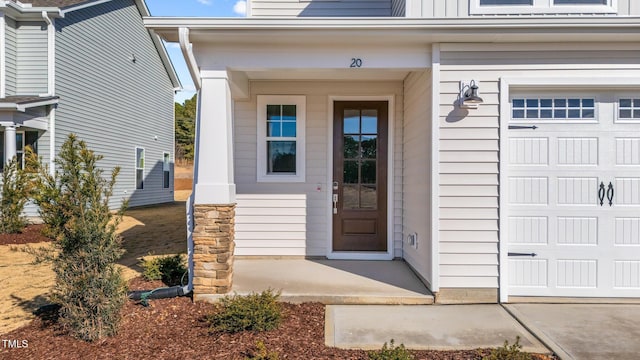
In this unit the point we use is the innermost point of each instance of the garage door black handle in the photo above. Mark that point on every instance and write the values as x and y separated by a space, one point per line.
610 193
601 193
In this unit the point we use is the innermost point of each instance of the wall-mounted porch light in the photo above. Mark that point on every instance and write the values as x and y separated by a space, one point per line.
468 97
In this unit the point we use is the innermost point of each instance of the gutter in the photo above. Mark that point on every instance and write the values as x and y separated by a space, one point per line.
187 52
51 87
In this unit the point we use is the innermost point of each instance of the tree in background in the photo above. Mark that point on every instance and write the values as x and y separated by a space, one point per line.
185 128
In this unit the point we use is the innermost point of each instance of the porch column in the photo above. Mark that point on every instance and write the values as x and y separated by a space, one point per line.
214 188
9 142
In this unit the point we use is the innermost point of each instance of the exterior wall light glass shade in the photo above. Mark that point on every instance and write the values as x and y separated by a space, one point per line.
468 98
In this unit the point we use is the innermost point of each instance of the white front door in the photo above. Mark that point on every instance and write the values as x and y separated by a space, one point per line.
574 195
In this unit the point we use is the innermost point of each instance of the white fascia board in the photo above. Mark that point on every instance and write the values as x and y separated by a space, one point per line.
481 29
20 12
23 107
82 6
395 23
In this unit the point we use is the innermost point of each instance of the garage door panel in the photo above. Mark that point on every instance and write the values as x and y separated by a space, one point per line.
627 231
577 151
561 240
627 151
627 191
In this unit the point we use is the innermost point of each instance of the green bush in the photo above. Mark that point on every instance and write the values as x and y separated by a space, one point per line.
253 312
15 193
509 352
391 352
170 269
261 353
74 205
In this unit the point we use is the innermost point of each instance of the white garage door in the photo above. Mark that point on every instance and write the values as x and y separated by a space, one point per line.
573 195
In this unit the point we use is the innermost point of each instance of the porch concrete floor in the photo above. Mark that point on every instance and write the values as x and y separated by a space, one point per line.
332 281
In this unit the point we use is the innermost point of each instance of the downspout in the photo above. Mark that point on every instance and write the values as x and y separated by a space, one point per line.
174 291
51 87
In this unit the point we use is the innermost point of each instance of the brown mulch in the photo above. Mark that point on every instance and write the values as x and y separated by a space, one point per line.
30 235
175 328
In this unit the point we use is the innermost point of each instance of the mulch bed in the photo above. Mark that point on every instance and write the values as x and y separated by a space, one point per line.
175 328
31 234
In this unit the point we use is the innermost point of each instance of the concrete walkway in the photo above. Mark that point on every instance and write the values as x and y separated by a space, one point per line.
332 281
434 327
584 331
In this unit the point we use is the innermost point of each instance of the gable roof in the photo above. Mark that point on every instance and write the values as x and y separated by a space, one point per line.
71 5
54 3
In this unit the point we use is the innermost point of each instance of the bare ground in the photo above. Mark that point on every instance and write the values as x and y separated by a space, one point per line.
155 230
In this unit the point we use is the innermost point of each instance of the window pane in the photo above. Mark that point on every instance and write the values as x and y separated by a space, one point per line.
559 102
561 114
19 140
289 129
588 113
139 179
368 172
546 103
532 102
351 146
273 112
165 180
351 121
574 113
588 102
369 146
350 172
546 114
351 199
518 114
625 114
625 102
289 112
368 197
273 129
574 102
166 161
370 121
281 157
580 2
532 114
31 139
506 2
518 103
636 114
139 158
636 102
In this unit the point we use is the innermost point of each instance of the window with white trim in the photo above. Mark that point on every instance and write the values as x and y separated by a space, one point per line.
139 168
281 136
553 108
629 109
166 170
23 139
542 6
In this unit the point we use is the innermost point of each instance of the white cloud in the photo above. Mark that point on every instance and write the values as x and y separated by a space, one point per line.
240 7
204 2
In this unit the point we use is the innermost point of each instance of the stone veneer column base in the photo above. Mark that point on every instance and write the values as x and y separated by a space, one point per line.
213 244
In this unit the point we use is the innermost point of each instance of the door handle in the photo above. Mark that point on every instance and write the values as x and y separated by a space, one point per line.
601 193
335 204
610 193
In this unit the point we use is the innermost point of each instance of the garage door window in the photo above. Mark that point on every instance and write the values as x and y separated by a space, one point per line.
629 109
565 108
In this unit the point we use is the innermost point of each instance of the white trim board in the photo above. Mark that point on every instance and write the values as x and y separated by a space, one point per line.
389 254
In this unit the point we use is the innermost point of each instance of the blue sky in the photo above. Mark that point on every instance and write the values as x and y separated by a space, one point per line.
203 8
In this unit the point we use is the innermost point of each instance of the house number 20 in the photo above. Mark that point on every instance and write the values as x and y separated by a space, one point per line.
356 62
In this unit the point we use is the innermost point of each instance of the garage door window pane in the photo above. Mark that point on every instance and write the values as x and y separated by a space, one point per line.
553 109
629 109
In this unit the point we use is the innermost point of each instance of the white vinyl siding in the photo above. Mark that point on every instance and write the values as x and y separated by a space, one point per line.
310 237
461 8
31 58
111 102
11 70
319 8
416 173
469 153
